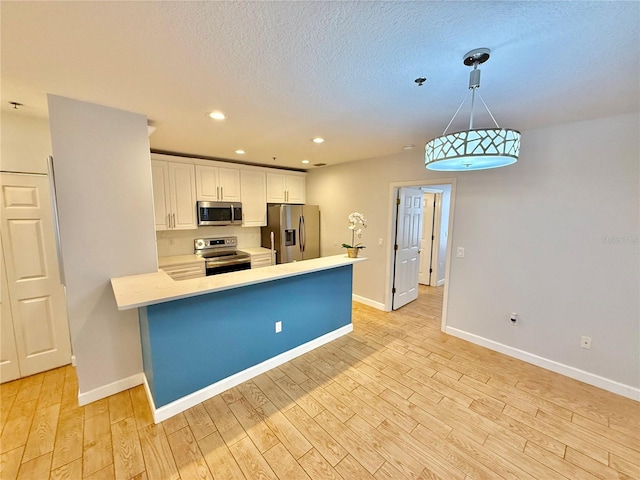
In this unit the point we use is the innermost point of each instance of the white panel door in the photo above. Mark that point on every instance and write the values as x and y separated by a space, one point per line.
426 243
38 303
408 235
9 366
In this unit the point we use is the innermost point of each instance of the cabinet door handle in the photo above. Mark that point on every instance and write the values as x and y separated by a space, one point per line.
174 220
168 220
217 193
221 193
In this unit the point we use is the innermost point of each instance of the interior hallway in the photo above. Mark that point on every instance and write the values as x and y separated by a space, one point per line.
395 399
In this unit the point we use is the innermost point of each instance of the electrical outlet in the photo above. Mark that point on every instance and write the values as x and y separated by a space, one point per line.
278 326
585 342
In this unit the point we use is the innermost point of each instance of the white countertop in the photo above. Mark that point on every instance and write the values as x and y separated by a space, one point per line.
255 250
150 288
179 260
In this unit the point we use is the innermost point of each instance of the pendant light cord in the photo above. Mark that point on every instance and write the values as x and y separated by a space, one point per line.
454 115
473 90
474 84
491 114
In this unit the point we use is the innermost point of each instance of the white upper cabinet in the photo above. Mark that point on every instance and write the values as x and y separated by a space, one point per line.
254 198
215 184
285 188
179 182
295 188
160 182
174 195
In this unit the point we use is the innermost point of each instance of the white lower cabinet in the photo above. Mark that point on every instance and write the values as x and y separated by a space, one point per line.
254 198
258 261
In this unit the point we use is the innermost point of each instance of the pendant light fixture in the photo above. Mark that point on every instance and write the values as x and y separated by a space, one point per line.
473 149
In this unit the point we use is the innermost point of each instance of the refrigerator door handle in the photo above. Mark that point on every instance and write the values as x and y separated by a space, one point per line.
303 234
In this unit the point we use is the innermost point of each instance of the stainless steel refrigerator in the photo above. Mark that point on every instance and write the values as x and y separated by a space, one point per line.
296 232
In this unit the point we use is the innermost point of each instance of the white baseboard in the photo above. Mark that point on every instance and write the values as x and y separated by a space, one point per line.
366 301
440 283
572 372
188 401
110 389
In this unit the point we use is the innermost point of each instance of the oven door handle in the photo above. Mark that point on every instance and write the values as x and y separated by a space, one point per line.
235 261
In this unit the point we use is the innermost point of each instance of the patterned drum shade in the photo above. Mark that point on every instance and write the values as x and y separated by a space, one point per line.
476 149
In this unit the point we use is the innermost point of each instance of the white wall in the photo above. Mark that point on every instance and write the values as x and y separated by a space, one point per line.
25 143
554 238
103 182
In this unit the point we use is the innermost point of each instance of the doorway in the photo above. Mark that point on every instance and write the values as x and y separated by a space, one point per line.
34 327
434 235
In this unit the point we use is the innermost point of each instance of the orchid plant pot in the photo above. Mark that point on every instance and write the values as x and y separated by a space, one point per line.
352 252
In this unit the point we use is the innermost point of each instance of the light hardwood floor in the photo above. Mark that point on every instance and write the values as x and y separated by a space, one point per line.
395 399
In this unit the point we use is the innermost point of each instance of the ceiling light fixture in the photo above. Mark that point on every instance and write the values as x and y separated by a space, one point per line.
317 140
305 161
240 152
217 115
473 149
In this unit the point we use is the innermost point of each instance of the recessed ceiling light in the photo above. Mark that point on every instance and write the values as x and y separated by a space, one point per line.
317 140
217 115
305 161
409 147
240 152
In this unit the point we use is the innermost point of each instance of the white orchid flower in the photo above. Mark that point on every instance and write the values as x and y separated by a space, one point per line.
356 218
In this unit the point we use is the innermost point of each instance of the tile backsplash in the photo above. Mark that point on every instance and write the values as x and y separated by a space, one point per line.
180 242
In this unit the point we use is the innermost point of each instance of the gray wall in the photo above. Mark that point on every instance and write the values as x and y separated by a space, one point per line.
554 238
103 183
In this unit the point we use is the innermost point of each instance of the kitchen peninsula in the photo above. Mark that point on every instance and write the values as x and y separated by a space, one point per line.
204 335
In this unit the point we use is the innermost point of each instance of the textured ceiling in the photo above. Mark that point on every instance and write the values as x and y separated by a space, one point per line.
284 72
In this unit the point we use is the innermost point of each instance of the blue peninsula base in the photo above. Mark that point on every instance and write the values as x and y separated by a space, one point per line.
197 347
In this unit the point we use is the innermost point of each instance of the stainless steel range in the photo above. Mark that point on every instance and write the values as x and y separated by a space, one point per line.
221 255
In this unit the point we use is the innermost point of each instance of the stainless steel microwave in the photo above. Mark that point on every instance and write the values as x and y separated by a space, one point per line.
219 213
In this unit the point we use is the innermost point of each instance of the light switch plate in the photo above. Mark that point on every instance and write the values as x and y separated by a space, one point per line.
460 252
